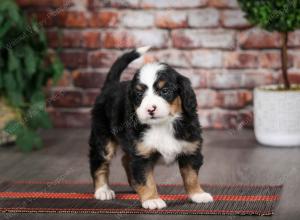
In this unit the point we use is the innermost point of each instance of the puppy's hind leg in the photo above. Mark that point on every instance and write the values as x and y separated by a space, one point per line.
101 153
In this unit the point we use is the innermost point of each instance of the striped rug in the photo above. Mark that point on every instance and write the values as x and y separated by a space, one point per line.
77 197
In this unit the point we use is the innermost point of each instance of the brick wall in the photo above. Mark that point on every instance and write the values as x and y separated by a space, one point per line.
207 40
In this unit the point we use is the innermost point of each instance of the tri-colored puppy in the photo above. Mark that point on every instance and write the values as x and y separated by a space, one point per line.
152 117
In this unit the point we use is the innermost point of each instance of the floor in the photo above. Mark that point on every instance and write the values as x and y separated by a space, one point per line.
230 157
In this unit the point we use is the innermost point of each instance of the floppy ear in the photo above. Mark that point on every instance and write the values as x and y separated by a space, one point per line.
187 95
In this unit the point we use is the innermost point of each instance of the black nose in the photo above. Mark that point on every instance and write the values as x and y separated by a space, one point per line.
152 110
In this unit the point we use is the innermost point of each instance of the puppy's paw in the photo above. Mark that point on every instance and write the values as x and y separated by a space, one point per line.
154 204
104 193
201 197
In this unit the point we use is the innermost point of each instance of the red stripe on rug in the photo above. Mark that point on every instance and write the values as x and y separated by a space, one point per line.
134 210
43 195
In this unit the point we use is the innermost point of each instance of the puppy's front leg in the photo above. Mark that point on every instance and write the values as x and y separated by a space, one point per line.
189 167
144 184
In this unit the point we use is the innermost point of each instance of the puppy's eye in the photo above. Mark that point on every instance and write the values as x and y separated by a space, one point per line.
164 91
139 93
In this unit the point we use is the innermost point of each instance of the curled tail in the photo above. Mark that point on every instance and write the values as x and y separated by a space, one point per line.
122 62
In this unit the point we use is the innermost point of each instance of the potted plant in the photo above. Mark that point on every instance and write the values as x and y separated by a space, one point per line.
276 107
25 68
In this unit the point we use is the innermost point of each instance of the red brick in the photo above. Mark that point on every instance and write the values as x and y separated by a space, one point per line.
205 118
240 60
87 79
173 3
294 78
128 39
198 78
234 79
233 99
175 58
293 75
70 118
51 97
71 38
234 19
206 98
226 119
53 38
26 3
102 58
104 19
223 3
120 39
294 39
74 59
171 19
43 3
228 99
70 98
203 38
236 119
269 59
89 97
95 4
257 78
138 19
272 59
78 5
91 39
73 19
64 81
257 38
206 58
204 18
296 59
74 39
43 17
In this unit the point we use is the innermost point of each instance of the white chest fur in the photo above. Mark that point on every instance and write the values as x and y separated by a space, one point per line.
161 139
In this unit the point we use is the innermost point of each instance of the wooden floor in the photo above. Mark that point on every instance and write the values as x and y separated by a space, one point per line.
230 157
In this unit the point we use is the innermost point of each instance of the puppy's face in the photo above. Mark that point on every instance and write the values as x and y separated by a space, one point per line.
155 93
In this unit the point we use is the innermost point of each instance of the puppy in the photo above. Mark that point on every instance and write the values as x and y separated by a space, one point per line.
153 118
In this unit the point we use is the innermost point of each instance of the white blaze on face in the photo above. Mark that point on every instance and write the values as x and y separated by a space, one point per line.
148 76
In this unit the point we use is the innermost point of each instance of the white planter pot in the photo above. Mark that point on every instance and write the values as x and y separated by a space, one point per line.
277 117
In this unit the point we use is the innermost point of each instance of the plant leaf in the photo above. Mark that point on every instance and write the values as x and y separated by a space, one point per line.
30 61
28 140
13 127
13 62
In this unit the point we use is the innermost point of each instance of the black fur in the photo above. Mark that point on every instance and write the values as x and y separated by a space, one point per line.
114 118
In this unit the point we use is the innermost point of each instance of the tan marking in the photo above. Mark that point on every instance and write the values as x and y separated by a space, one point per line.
144 151
110 150
190 180
102 173
139 87
125 163
149 190
190 147
176 106
161 84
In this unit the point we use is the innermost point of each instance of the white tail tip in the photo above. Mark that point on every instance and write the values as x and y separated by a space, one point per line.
143 50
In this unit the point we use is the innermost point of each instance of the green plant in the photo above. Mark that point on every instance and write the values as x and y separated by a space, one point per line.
25 68
275 15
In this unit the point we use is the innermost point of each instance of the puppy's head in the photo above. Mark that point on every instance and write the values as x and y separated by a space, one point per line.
160 94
